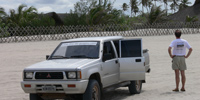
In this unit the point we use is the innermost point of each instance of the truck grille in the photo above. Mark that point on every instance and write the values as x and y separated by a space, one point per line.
49 75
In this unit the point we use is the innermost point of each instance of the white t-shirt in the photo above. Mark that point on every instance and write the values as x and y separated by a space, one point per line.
179 47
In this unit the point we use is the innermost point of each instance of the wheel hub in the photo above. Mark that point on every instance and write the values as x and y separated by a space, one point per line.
95 93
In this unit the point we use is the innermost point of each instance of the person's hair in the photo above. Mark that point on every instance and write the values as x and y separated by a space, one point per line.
178 33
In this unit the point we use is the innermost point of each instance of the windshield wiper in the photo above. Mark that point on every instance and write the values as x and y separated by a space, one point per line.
83 56
59 57
78 56
91 57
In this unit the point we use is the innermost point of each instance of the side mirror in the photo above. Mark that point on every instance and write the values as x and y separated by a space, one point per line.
47 57
107 56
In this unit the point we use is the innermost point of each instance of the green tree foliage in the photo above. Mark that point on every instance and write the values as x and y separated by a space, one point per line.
2 12
43 20
75 19
149 5
125 7
103 15
3 25
3 29
2 17
156 15
184 4
166 5
81 10
24 15
134 7
93 13
174 6
191 19
28 16
146 4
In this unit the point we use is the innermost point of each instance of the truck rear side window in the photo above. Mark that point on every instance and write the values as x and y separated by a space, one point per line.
131 48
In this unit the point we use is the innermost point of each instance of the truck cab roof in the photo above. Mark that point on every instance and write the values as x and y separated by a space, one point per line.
107 38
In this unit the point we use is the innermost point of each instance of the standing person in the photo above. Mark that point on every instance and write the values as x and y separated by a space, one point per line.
178 55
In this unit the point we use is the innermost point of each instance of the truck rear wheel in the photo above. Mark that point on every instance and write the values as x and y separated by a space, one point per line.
135 87
35 97
93 91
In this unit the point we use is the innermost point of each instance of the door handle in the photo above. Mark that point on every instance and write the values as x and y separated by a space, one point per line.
116 61
138 60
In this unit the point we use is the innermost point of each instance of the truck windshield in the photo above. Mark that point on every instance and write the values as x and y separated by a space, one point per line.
74 50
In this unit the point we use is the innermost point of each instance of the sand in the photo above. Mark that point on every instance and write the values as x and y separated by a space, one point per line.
14 57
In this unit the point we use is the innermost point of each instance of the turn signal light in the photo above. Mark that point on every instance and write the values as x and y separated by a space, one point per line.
27 85
71 85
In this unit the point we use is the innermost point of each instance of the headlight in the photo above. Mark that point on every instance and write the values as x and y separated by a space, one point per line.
28 75
73 75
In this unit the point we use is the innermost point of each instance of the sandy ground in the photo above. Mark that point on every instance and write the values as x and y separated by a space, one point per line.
14 57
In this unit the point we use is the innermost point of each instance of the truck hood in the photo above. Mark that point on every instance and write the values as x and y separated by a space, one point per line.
61 64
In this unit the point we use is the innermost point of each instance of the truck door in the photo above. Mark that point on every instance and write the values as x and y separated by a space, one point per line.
110 65
131 60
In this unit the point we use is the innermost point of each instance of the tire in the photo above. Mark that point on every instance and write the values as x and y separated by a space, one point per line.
135 87
35 97
93 91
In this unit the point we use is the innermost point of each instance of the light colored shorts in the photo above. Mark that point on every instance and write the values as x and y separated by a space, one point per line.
179 63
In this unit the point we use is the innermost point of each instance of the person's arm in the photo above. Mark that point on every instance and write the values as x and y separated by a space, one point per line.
189 52
170 53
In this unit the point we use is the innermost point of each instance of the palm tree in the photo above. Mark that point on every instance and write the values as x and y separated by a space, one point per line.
166 4
146 3
2 12
149 5
143 2
102 14
156 15
184 4
174 5
100 2
23 16
155 2
134 6
125 7
98 15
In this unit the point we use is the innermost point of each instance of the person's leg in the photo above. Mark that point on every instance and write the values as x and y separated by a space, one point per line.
183 78
177 79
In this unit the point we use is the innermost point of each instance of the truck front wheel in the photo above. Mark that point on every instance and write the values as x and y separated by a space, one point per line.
93 91
35 97
135 87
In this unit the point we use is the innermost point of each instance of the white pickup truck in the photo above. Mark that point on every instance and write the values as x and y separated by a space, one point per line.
82 68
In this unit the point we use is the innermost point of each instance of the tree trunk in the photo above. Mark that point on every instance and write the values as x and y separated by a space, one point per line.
197 2
100 3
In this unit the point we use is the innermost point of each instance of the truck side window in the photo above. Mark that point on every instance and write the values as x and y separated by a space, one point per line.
116 43
108 52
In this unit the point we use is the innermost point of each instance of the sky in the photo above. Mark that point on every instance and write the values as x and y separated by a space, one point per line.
59 6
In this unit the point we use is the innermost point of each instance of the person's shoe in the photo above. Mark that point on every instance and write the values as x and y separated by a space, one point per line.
176 90
183 90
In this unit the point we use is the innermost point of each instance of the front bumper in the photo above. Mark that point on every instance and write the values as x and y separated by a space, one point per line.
61 86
